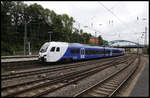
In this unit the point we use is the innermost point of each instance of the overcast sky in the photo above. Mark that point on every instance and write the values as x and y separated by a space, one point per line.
113 20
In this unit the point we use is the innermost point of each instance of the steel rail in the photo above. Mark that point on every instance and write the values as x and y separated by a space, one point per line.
104 80
40 71
28 82
10 57
86 74
54 80
128 76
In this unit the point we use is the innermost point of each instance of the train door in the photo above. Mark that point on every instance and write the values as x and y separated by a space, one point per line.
51 53
54 54
82 53
110 52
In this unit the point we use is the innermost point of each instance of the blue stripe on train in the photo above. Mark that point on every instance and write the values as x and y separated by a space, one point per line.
68 55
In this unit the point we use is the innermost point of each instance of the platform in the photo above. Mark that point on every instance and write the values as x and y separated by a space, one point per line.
141 88
18 56
18 59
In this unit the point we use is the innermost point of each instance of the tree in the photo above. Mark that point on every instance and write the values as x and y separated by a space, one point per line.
67 27
7 26
75 36
105 43
101 41
39 21
85 37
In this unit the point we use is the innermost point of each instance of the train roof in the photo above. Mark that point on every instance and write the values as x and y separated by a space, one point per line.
57 43
115 48
72 44
77 45
82 45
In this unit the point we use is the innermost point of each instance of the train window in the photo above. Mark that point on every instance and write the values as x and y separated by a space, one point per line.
52 49
58 49
93 52
100 52
116 51
107 52
44 48
113 51
75 51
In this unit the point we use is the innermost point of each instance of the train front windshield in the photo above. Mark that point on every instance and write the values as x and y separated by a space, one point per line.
44 47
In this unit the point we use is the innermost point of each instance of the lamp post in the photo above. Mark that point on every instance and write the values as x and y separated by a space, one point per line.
25 37
145 36
79 31
138 46
94 30
98 32
144 33
50 35
95 38
25 30
145 39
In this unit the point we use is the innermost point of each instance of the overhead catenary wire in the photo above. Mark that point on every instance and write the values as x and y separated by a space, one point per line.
115 16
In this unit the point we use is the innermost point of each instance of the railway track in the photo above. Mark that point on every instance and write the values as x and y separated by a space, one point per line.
111 84
43 86
19 56
47 70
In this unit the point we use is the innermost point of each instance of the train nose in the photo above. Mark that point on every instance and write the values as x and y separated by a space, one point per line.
42 58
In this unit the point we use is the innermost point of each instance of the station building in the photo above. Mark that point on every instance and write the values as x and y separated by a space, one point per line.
93 40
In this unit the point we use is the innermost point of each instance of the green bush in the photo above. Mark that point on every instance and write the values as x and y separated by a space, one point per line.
6 49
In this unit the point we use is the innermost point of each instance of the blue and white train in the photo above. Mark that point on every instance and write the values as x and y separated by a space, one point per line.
58 51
